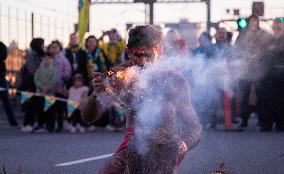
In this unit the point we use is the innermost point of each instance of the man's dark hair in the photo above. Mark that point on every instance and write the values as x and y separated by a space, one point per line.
255 18
88 38
113 31
206 36
36 45
74 33
147 36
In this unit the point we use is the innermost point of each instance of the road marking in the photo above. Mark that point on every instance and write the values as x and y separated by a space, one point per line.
83 160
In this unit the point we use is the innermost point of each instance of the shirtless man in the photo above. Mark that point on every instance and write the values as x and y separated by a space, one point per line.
165 154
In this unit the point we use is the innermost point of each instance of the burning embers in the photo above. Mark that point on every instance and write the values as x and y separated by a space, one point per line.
124 76
119 79
118 85
121 75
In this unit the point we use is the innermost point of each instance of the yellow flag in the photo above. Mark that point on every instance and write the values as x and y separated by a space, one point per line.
84 7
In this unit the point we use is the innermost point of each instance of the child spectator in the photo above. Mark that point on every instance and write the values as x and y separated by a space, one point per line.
45 79
116 118
76 93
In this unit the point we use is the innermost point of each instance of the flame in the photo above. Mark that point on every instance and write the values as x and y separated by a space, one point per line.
121 75
110 73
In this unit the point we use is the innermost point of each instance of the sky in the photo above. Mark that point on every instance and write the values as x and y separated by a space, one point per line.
15 20
105 17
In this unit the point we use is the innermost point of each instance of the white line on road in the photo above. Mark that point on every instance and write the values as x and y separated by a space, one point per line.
83 160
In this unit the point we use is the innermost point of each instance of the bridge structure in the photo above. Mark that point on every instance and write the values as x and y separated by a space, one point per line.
150 4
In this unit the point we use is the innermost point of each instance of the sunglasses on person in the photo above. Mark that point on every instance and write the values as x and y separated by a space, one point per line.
142 52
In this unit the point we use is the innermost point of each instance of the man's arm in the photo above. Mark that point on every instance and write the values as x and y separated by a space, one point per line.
191 130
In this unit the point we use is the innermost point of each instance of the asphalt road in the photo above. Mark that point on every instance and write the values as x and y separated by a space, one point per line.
249 152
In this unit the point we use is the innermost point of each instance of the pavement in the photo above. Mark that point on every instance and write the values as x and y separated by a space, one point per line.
246 152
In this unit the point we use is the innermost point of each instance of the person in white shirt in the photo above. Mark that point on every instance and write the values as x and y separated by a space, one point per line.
76 93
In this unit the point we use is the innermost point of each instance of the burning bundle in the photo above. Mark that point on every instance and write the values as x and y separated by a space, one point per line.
118 85
121 78
116 80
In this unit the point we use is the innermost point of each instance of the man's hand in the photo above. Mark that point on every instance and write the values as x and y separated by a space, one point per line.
182 147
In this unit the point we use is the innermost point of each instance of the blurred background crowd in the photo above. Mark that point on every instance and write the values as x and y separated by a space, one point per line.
66 72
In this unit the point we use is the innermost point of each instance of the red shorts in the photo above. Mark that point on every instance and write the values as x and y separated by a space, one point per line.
127 135
180 158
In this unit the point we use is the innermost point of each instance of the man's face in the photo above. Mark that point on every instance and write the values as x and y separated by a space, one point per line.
78 83
91 43
142 56
113 37
54 49
221 35
253 24
74 40
47 61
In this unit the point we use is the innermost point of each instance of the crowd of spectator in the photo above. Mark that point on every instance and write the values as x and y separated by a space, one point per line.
255 71
67 73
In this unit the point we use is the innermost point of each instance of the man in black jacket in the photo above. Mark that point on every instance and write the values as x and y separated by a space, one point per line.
77 58
4 86
271 95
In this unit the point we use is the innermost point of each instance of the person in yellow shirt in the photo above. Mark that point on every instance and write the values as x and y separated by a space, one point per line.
113 49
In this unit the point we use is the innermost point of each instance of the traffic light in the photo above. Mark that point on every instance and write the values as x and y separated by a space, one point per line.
242 23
